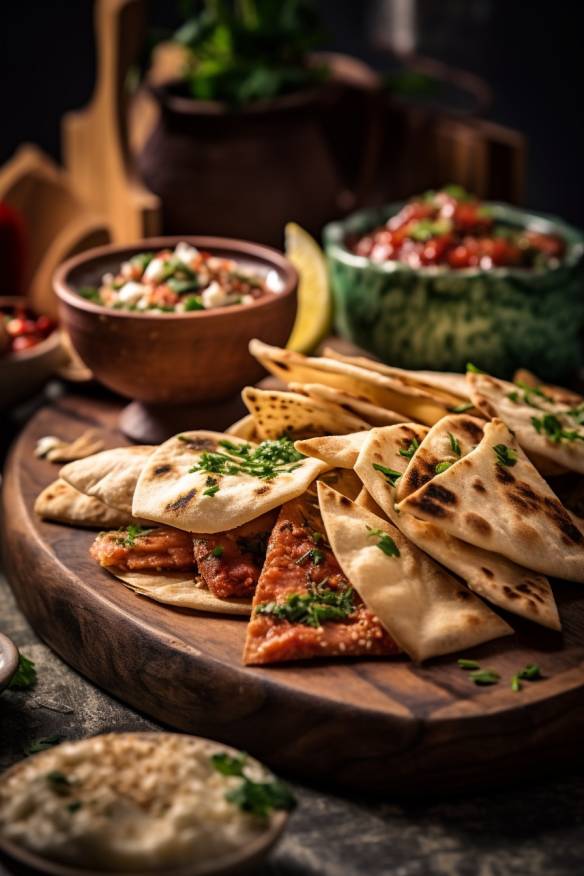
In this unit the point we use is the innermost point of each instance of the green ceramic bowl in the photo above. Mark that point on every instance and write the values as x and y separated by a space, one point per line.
435 317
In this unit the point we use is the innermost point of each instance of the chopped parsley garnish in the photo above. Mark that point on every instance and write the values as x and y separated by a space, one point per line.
313 554
267 461
454 443
485 676
212 486
218 551
385 543
410 450
461 409
391 475
528 393
468 664
473 368
577 414
142 260
131 534
319 605
424 229
257 798
25 676
90 293
42 744
180 287
442 466
505 455
551 427
58 782
193 302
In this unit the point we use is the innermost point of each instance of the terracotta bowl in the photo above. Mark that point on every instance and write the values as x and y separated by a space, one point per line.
175 358
25 373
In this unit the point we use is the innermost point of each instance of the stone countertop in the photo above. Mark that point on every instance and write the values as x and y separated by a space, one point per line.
523 831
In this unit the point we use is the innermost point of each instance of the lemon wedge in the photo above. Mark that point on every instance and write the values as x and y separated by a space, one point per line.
314 316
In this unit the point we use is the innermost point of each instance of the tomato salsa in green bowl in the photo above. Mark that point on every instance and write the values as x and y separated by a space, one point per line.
444 279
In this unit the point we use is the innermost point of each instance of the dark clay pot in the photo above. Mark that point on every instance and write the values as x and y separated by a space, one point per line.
246 173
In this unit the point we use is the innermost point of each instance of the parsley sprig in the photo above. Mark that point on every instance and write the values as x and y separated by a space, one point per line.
410 449
267 461
391 475
320 604
257 798
133 531
505 455
553 430
25 676
385 543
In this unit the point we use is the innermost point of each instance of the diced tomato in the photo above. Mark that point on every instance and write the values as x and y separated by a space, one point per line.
24 342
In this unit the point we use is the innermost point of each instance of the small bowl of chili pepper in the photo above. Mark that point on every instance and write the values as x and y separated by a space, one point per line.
30 350
445 278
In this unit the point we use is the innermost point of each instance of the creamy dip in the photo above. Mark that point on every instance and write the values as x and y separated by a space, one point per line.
128 802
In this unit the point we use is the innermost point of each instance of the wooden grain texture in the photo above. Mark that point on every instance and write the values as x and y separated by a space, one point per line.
379 725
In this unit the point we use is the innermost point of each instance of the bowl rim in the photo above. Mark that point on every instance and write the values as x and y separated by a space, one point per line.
65 291
335 233
45 346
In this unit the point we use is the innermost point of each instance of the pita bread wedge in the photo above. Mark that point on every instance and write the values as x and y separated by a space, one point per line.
557 393
339 451
372 414
244 428
449 385
424 609
62 503
446 442
278 413
180 590
210 482
109 476
494 498
500 581
56 450
545 427
386 392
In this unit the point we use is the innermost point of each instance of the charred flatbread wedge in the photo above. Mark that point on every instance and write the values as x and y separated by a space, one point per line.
336 450
413 402
109 476
453 385
62 503
425 610
544 426
207 482
559 394
304 607
358 407
495 499
491 576
279 413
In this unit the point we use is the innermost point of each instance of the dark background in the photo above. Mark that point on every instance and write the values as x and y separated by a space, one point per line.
530 53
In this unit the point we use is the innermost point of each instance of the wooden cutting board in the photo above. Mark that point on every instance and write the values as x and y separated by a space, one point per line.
377 725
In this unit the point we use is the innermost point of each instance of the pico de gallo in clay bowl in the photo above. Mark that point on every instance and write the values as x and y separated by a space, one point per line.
21 329
445 279
180 280
453 228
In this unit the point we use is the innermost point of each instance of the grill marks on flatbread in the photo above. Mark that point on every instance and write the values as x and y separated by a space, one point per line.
109 476
169 492
62 503
425 609
387 392
491 576
289 413
517 406
507 509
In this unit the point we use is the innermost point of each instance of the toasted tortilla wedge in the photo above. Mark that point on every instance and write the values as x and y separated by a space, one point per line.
168 491
506 508
62 503
490 575
109 476
446 442
181 590
339 451
424 609
449 385
372 414
379 389
278 413
523 409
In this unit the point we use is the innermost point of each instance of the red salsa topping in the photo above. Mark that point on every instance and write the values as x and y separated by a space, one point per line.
20 329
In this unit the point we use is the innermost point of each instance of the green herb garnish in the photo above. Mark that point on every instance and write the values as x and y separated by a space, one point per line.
515 684
391 475
42 744
425 229
410 450
267 461
193 302
319 605
454 443
485 676
131 534
531 672
551 427
313 554
473 368
461 409
505 455
142 260
25 676
212 486
90 293
218 551
442 466
468 664
181 287
259 798
385 543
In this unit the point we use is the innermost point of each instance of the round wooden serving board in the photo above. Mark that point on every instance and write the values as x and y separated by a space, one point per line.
378 725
